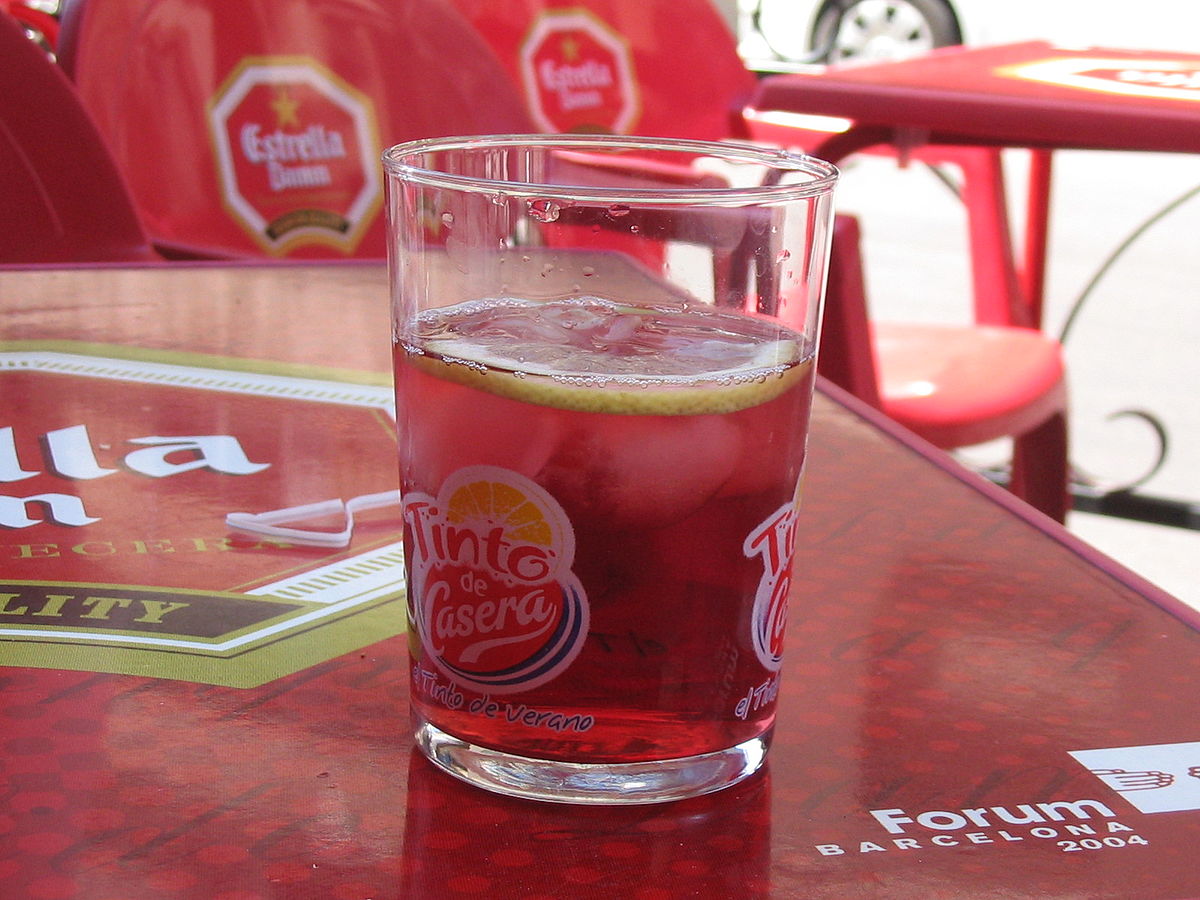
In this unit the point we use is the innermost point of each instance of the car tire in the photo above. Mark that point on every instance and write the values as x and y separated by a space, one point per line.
864 30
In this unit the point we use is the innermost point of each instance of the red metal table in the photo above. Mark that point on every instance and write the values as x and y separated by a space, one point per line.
1031 94
974 704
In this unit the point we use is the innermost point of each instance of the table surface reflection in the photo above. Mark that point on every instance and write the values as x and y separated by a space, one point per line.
948 652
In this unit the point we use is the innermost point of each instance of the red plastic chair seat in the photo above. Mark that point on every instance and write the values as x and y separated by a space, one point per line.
953 385
957 386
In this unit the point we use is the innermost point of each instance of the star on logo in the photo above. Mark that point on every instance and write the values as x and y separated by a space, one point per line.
285 106
570 49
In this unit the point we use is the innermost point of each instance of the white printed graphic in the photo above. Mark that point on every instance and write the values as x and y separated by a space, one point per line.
1158 79
1153 778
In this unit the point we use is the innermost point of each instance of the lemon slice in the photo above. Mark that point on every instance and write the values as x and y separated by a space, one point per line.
593 355
774 370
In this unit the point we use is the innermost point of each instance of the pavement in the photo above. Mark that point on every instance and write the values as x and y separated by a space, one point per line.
1135 340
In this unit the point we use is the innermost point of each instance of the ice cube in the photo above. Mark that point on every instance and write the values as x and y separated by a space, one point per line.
641 471
450 426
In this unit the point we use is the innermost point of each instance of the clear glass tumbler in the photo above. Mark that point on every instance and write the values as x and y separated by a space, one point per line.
604 358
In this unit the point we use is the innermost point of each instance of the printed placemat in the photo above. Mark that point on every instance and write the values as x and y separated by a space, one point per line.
117 471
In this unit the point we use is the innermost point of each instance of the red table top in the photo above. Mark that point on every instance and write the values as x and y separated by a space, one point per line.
973 703
1031 94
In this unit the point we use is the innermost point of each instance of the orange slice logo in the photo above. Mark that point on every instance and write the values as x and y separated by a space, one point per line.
492 596
495 502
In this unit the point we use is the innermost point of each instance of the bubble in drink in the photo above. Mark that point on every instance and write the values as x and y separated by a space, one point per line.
604 577
544 210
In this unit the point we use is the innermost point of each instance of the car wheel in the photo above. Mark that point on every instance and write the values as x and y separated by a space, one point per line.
862 30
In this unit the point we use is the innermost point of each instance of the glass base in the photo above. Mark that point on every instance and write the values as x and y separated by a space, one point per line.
656 781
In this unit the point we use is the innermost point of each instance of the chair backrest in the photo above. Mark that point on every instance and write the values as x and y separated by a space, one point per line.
254 127
621 66
61 197
847 355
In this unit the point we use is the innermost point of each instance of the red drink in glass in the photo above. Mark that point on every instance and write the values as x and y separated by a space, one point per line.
599 517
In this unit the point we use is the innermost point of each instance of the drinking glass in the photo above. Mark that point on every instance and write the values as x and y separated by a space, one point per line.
604 358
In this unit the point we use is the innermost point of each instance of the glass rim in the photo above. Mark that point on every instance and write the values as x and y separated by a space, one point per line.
402 161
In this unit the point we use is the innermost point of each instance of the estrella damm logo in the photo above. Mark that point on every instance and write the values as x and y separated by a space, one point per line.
578 74
491 595
297 151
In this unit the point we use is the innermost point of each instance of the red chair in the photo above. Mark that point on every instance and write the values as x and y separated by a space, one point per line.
61 197
672 69
254 128
953 385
